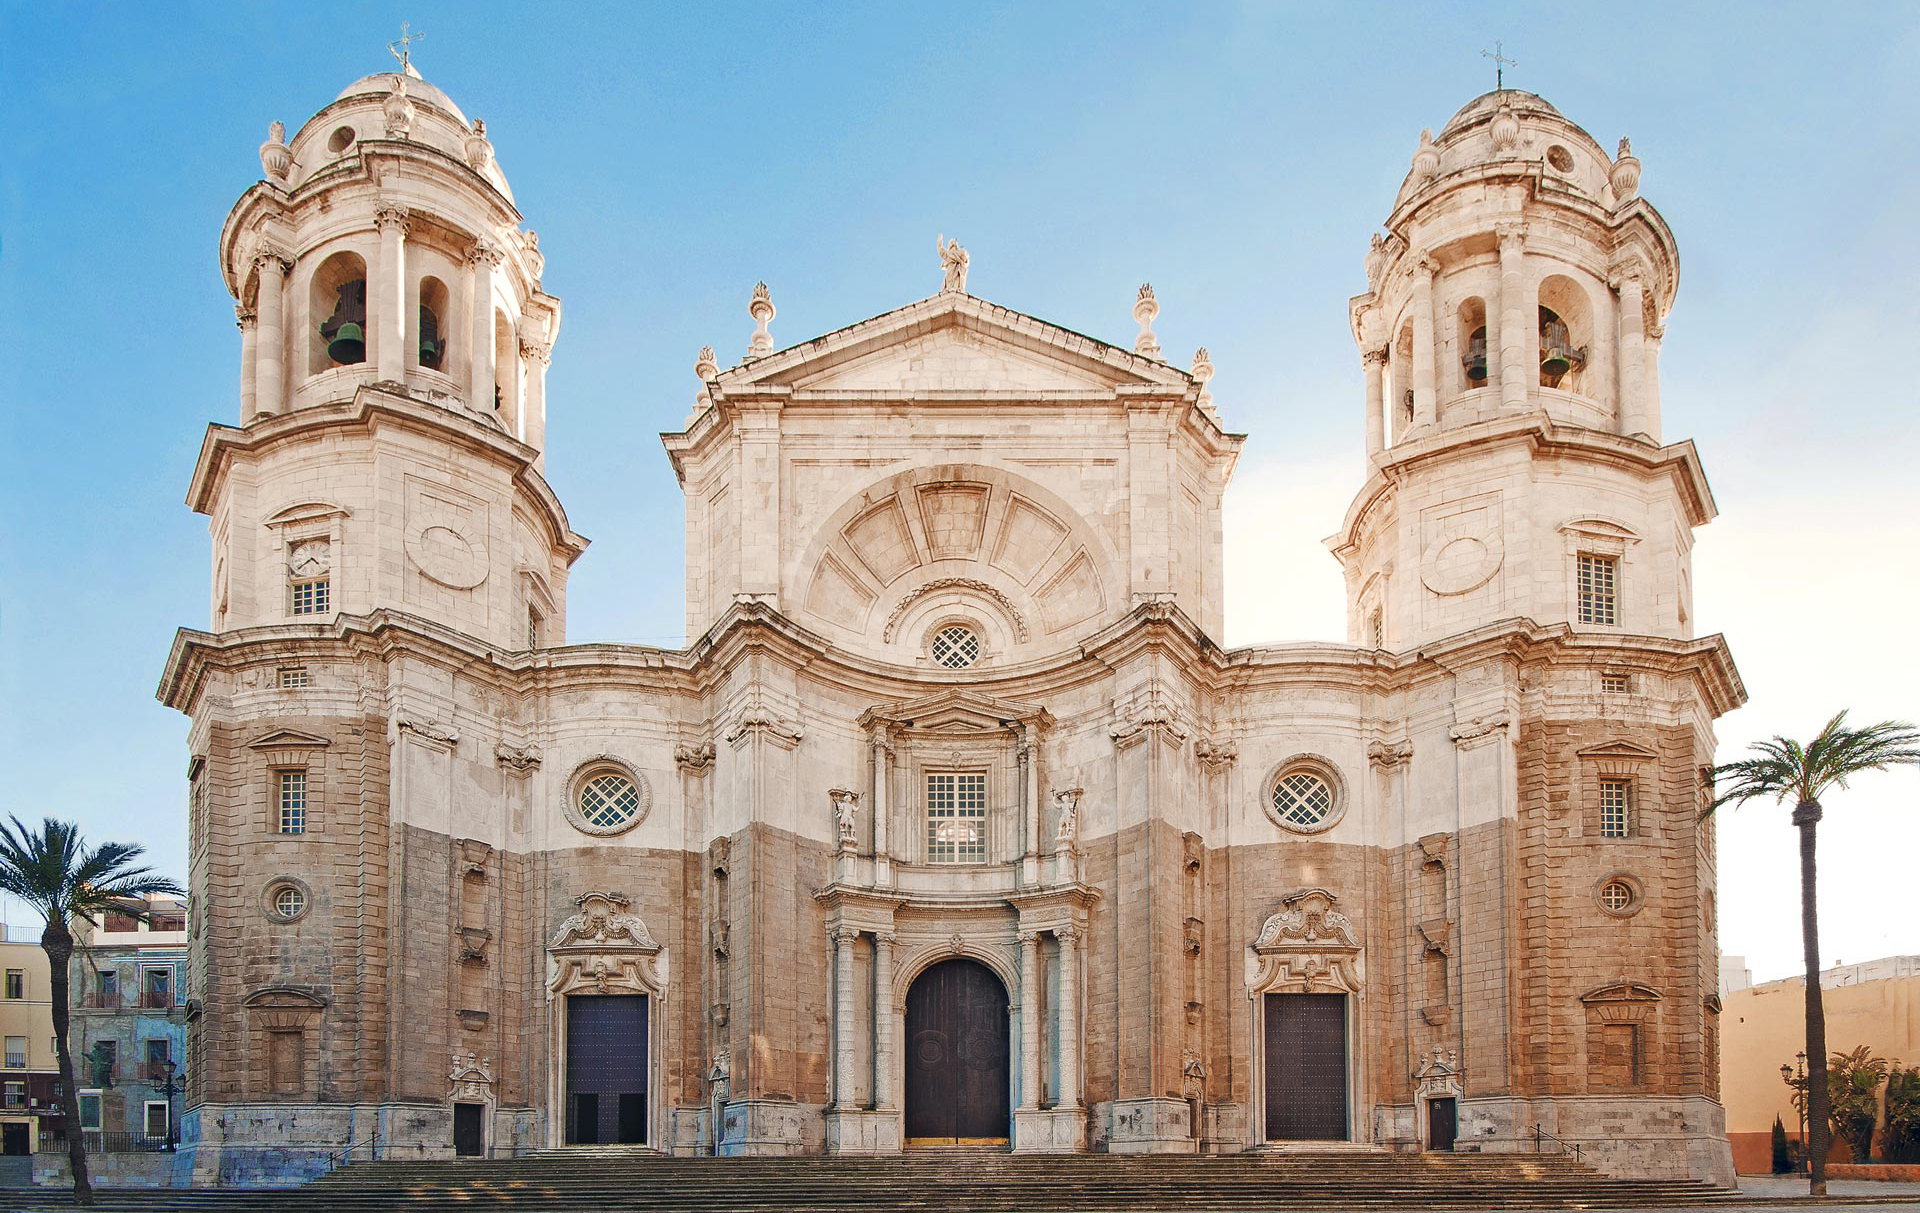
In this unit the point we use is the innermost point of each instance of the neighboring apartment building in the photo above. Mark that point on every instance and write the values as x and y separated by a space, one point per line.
129 1019
29 1074
1764 1027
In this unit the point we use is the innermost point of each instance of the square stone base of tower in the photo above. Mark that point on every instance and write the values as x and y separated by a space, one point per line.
1637 1137
754 1127
1049 1130
863 1131
283 1145
1150 1126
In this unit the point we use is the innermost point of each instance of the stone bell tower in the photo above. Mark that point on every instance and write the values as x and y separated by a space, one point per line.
1510 335
394 346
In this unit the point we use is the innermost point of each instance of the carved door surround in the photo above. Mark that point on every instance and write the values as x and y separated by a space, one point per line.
1309 947
956 730
603 949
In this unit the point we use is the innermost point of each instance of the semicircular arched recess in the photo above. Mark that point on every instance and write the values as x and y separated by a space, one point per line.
957 540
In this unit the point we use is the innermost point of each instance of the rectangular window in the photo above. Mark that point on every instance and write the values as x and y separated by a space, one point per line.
156 1119
16 984
1599 589
292 677
293 802
90 1109
109 987
957 817
120 920
1615 803
158 985
166 920
533 628
16 1094
310 597
16 1052
104 1055
1613 684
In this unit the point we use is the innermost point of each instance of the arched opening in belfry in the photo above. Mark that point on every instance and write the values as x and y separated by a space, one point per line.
958 1081
1471 321
338 308
1566 332
432 337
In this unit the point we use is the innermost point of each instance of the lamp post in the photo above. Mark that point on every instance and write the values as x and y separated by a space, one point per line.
1796 1079
168 1088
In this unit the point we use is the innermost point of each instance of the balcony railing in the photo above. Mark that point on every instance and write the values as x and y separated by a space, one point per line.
16 1061
157 998
98 1001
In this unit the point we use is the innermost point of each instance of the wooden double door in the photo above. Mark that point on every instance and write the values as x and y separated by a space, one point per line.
607 1069
1306 1061
957 1076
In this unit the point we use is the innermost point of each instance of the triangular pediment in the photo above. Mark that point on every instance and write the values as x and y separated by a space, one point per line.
288 739
954 343
957 712
1619 749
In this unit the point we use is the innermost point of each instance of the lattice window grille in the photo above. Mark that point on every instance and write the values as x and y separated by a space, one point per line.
1613 684
1614 804
1599 594
957 817
1617 895
1302 799
310 597
293 802
293 677
289 902
609 800
956 647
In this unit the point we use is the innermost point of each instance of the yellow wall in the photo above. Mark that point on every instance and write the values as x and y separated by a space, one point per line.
1763 1027
31 1017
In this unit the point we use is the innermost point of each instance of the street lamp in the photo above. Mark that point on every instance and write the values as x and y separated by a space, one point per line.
1797 1080
168 1088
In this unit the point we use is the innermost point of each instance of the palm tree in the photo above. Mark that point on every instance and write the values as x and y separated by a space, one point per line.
1781 769
58 874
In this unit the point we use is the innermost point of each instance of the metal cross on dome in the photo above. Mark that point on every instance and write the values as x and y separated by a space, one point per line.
400 50
1499 61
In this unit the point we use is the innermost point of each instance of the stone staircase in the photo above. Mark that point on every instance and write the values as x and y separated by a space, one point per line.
939 1182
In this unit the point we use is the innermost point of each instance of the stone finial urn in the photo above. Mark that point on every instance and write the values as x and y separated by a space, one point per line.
1626 174
1376 259
1426 158
1505 130
276 158
478 149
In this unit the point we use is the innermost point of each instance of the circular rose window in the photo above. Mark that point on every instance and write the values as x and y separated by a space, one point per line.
608 800
289 901
956 647
1618 896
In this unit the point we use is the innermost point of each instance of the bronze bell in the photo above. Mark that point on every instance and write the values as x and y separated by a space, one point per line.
432 349
1556 349
1476 359
349 344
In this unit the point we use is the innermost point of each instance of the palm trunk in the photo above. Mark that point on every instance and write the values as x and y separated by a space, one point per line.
1806 815
57 942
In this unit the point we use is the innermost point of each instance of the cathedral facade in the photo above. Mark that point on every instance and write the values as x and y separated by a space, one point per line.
954 822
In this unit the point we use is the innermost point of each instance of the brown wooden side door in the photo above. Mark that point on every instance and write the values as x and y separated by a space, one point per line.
957 1076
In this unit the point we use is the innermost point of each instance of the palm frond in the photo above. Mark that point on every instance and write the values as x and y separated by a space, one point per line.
1781 768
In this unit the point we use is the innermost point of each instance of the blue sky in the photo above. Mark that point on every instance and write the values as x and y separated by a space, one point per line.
1236 156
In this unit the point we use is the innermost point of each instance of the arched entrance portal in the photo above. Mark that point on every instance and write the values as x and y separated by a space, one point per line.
958 1083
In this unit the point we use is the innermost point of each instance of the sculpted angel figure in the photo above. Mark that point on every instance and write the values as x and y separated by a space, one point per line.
845 805
953 260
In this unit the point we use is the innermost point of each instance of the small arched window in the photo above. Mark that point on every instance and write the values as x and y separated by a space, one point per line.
337 307
433 333
1566 327
506 371
1472 321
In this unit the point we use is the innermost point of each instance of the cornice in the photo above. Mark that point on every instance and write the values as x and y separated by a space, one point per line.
1544 436
373 405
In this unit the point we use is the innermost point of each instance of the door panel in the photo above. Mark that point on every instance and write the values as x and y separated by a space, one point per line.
957 1056
1306 1059
607 1068
1442 1121
469 1138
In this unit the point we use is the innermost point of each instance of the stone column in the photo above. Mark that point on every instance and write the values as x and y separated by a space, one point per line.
882 812
533 409
1632 329
1517 370
1650 382
1030 1019
484 259
1069 1018
1029 756
843 938
883 1021
245 318
1426 404
1374 363
387 297
270 341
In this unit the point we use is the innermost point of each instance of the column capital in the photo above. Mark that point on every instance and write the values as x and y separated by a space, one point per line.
1374 357
885 939
843 934
391 218
244 316
269 258
1424 265
1627 272
536 351
1511 233
1067 936
1030 939
487 255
